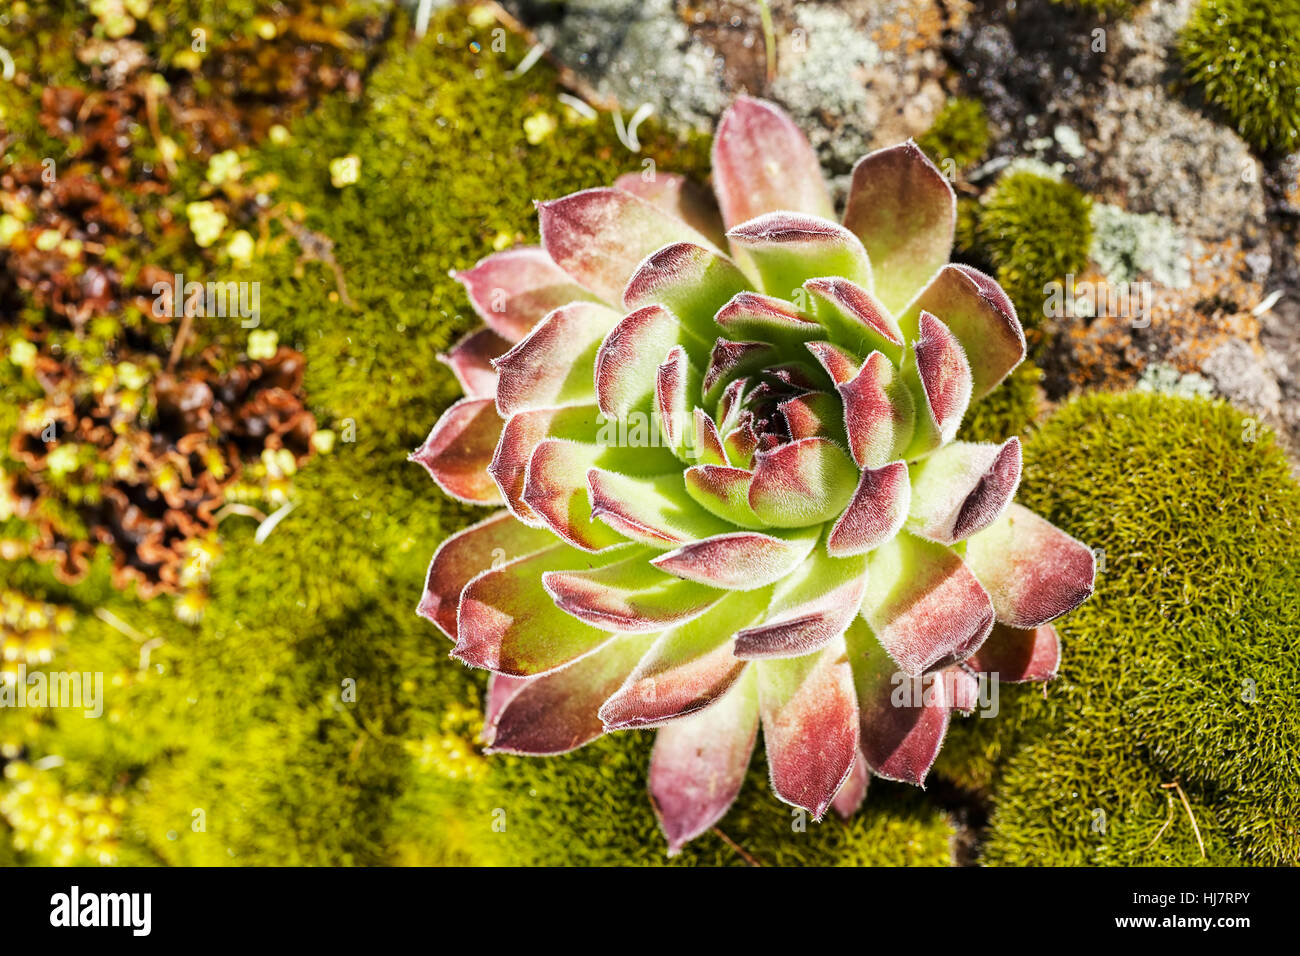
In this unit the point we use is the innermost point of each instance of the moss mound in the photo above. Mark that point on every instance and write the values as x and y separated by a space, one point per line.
1184 658
1032 230
960 134
1244 56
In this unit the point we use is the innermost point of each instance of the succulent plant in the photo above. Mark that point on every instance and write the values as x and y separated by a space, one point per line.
723 437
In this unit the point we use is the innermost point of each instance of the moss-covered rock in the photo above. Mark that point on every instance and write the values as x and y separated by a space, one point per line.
1032 229
959 134
1244 56
1184 660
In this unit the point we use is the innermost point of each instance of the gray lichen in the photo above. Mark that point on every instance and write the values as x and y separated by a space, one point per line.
1127 245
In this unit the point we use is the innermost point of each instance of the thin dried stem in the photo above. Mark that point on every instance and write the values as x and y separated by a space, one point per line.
745 855
1191 816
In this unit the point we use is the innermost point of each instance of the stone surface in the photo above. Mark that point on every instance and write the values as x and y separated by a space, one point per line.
855 74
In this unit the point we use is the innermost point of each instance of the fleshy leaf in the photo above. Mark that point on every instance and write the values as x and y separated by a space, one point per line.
470 360
689 668
855 318
962 488
876 513
788 249
1033 571
467 553
730 360
558 712
810 725
810 606
690 281
1016 655
501 689
904 211
520 438
740 444
801 483
982 318
655 511
924 604
698 764
940 380
552 365
739 560
879 412
513 290
678 196
961 686
749 315
762 163
459 450
677 384
815 415
628 360
723 491
854 789
506 621
600 236
630 595
902 727
706 447
555 486
839 363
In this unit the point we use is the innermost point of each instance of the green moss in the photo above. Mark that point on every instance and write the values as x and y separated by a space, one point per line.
1032 230
591 808
1244 55
243 717
1184 658
960 133
1083 801
1010 409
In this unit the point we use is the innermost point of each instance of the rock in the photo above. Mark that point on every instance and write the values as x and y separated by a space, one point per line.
855 75
1054 79
1240 375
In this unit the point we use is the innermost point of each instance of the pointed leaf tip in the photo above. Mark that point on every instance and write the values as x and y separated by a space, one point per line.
762 162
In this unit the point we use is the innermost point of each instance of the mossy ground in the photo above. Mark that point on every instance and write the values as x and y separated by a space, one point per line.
311 718
1182 665
235 744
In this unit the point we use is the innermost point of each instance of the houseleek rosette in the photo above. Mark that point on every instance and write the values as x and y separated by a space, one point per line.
723 439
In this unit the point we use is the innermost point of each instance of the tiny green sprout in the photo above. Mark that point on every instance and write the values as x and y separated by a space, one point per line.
62 460
224 168
262 344
345 170
539 126
241 247
207 222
